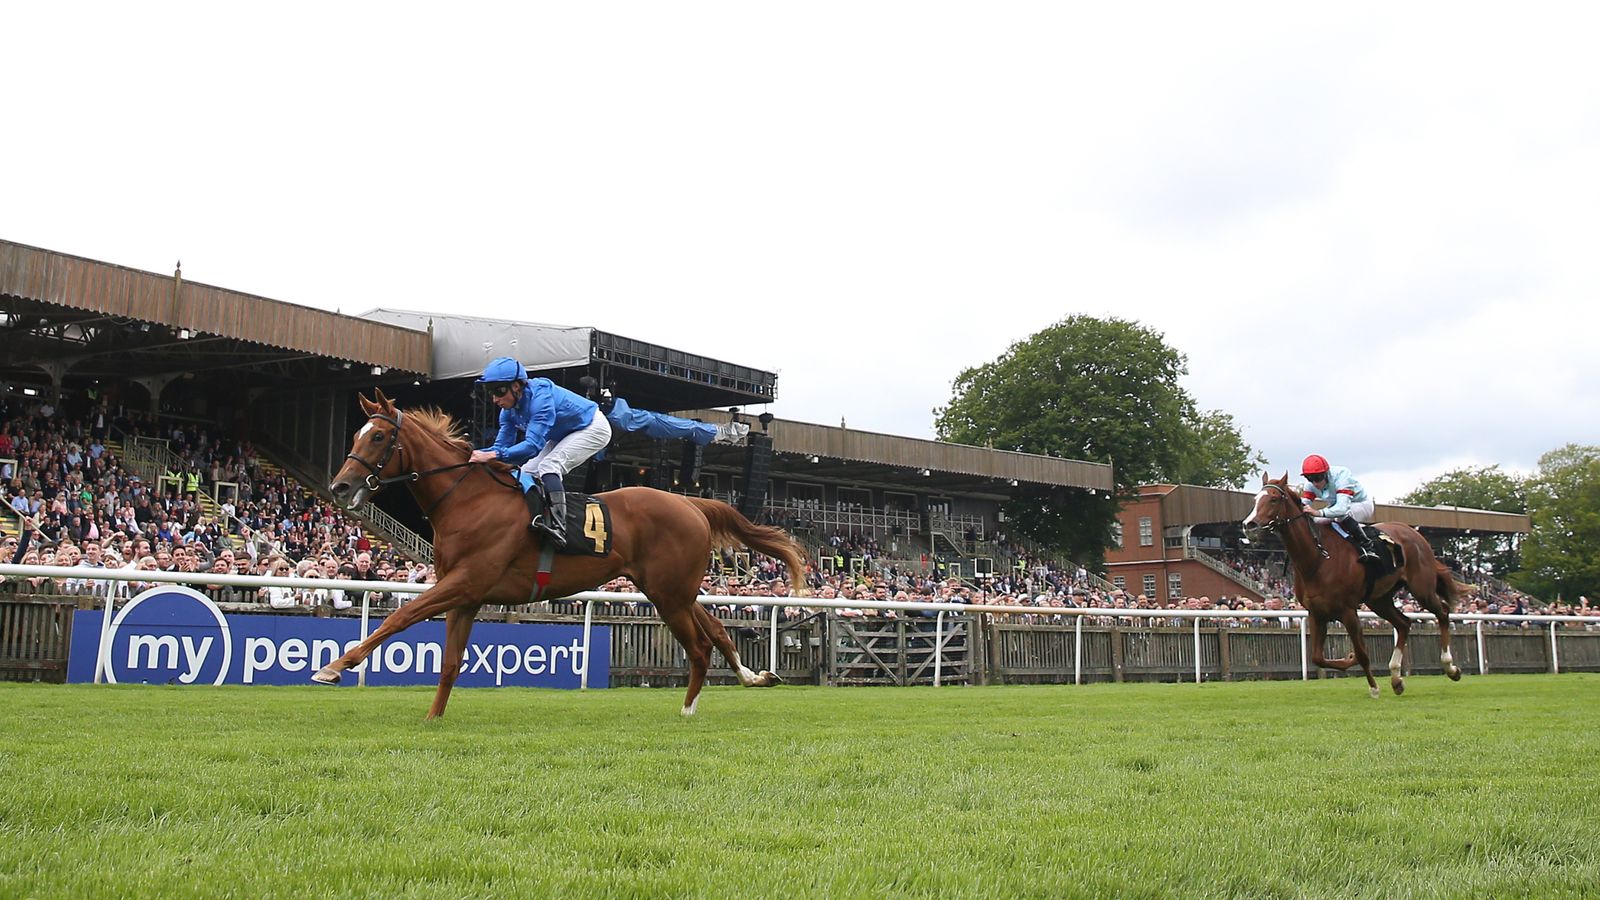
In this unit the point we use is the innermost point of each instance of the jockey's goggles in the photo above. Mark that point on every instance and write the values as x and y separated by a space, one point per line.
1316 476
499 388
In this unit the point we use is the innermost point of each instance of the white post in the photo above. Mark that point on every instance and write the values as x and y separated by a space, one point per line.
1555 660
1196 649
103 658
1305 666
938 648
1077 651
588 624
366 612
772 644
1483 664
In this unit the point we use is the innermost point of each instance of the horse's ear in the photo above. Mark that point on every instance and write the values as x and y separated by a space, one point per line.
1285 476
384 402
1263 478
367 406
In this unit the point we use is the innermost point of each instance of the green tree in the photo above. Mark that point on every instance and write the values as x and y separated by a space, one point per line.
1561 557
1215 454
1484 487
1096 389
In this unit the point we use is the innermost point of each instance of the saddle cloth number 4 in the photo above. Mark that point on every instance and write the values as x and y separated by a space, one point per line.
594 526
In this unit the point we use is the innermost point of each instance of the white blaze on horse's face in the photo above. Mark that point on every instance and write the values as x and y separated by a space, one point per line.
1255 509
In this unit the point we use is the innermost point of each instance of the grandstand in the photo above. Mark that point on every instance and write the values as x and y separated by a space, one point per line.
162 356
84 337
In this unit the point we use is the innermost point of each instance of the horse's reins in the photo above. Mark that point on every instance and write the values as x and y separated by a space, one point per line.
375 481
1283 521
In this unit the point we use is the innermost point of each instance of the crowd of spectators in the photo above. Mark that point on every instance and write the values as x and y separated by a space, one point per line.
1050 589
79 504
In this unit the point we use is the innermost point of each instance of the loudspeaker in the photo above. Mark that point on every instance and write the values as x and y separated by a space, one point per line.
660 474
694 456
757 475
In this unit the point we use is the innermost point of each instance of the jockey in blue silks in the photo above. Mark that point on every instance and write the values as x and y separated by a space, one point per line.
545 429
1348 503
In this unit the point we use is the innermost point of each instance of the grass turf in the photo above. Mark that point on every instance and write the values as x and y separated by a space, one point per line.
1487 788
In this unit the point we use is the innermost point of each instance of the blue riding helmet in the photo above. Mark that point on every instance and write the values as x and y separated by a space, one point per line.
503 369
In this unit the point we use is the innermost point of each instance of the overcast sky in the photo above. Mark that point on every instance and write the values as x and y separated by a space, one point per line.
1371 228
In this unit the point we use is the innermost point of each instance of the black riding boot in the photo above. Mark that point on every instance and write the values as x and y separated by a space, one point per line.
554 521
1358 534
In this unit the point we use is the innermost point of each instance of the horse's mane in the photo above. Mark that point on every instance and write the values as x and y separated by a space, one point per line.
441 425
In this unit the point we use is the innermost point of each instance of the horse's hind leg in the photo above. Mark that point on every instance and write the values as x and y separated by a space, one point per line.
1384 606
1358 645
719 636
680 619
1432 602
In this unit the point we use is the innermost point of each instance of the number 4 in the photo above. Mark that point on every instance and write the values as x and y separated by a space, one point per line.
594 526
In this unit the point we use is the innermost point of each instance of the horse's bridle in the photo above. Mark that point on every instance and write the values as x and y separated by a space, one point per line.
1282 522
375 482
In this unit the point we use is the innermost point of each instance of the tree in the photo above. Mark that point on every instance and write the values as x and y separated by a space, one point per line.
1095 389
1485 487
1561 557
1215 454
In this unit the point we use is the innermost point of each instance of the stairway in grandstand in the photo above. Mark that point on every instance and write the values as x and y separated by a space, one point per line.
382 530
1226 571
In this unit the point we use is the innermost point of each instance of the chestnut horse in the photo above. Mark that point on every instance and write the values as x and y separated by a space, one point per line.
484 551
1331 582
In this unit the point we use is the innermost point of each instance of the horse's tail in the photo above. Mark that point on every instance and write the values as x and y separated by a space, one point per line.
1449 588
729 528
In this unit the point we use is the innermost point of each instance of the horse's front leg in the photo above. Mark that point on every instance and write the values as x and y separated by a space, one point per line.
1358 646
457 628
1319 638
429 603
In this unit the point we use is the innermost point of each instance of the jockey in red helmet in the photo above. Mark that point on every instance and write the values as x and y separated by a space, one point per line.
1347 502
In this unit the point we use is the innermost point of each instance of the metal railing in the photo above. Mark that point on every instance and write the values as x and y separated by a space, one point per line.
415 544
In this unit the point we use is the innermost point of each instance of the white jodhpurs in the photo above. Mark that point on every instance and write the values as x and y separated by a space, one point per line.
1362 512
571 451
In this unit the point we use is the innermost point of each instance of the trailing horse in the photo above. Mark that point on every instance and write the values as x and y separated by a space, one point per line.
1331 582
484 551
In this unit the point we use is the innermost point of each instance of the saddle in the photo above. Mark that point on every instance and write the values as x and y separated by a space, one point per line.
1391 556
588 525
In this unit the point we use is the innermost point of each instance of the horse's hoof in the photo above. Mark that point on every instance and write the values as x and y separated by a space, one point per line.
1455 673
326 676
1373 691
768 679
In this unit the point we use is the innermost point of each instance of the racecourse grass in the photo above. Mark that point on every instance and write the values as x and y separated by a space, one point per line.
1484 788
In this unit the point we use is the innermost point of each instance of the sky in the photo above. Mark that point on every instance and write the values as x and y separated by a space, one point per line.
1371 229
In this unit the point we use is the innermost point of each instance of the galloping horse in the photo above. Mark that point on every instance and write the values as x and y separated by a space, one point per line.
1331 582
484 551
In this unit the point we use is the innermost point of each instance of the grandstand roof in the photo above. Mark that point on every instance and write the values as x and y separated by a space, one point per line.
1187 504
850 455
656 377
106 320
